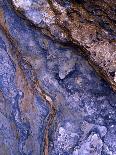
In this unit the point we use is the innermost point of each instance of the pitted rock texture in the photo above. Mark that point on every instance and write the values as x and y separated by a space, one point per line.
88 24
52 102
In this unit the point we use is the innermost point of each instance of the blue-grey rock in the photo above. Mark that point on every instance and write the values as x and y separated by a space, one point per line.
52 102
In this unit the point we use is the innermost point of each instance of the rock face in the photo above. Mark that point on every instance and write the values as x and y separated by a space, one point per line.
87 24
52 102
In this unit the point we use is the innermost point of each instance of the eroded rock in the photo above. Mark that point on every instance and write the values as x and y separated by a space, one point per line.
52 102
88 24
93 145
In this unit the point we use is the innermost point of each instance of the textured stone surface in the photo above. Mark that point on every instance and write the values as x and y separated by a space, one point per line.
88 24
52 102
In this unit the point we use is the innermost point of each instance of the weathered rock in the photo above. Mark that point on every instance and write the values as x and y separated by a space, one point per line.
87 24
92 146
52 102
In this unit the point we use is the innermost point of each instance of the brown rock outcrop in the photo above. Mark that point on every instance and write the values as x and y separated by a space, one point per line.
87 24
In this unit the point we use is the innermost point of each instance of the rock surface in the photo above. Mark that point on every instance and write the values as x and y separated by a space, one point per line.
52 102
88 24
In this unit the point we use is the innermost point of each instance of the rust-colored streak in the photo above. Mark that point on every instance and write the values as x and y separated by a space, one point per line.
27 104
28 109
51 115
89 25
2 21
28 99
